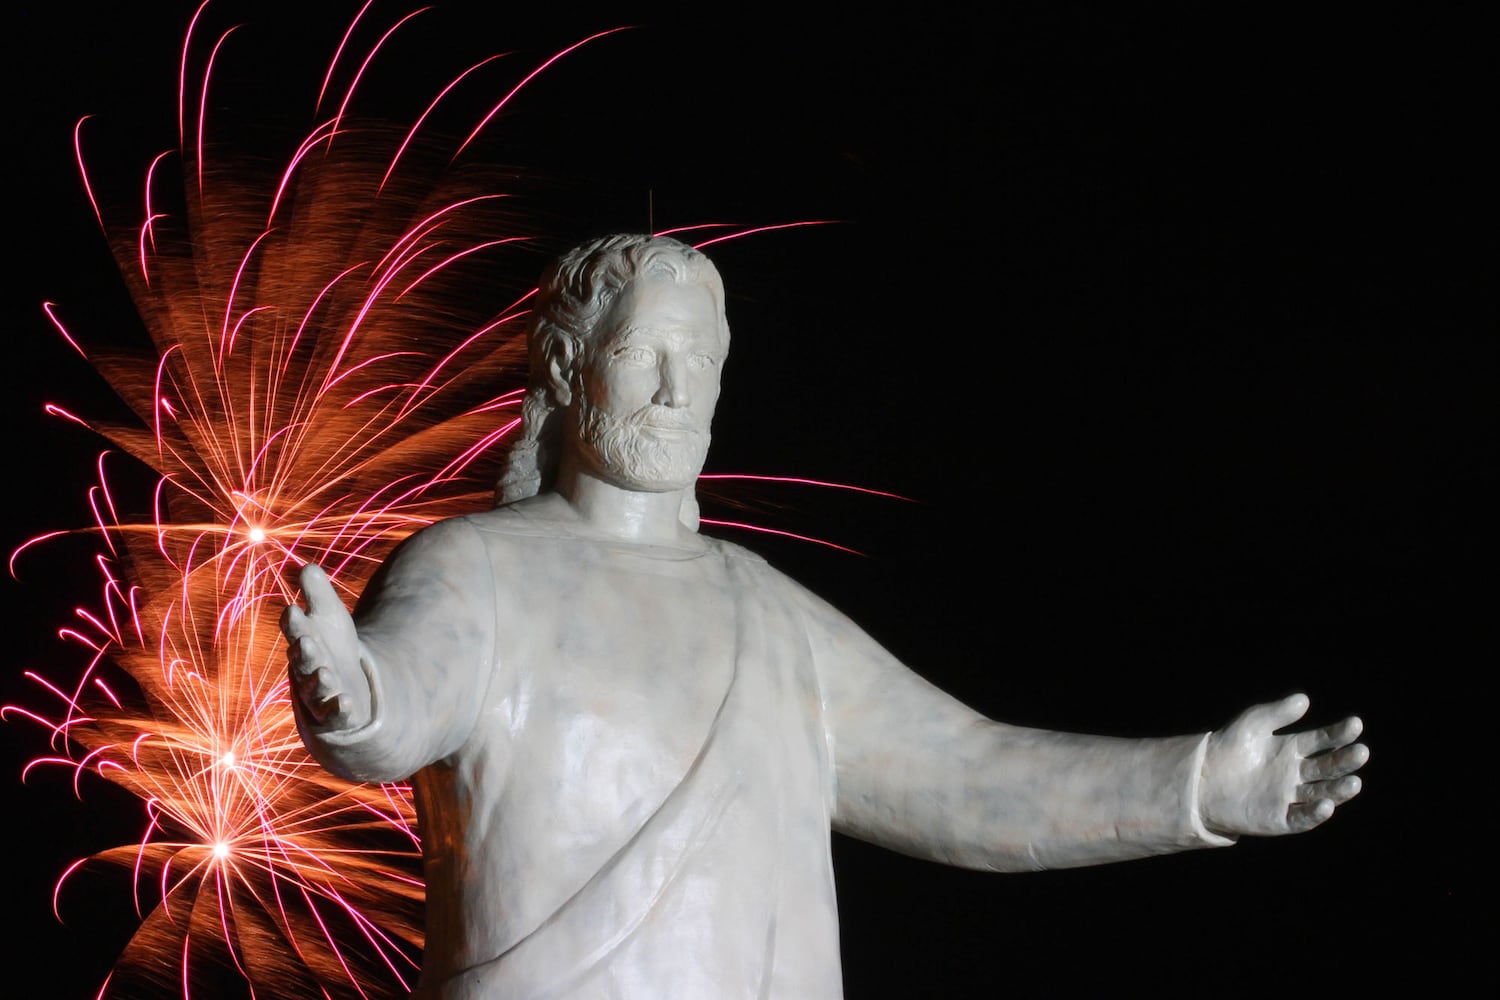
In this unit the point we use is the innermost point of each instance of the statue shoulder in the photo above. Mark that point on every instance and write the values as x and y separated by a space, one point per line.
447 548
511 524
740 554
512 535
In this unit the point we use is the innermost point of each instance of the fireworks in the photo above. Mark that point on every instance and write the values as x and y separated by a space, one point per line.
316 390
335 352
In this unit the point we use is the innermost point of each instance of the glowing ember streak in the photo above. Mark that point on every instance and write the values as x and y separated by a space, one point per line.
806 482
182 75
784 534
529 77
203 102
48 308
370 57
82 173
339 52
58 411
762 229
423 117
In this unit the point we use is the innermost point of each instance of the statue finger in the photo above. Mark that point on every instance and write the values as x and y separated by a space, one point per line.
304 656
1338 791
307 686
1303 816
293 622
1276 714
318 691
1335 763
328 706
1339 734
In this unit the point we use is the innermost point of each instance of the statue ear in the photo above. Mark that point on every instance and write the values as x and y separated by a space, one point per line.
562 391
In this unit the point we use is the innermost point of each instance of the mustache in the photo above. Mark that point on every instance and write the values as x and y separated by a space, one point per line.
664 418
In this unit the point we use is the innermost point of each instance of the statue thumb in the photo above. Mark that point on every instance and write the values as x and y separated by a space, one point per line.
318 590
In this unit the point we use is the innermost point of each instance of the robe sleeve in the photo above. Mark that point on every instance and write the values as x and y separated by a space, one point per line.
919 772
426 625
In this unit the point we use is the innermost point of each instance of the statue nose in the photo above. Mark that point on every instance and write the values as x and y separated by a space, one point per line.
673 390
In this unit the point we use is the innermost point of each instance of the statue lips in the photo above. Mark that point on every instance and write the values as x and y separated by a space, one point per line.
667 424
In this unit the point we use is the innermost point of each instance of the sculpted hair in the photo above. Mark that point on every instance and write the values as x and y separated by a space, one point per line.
576 292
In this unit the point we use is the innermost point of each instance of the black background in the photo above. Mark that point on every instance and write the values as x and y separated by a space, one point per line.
1165 319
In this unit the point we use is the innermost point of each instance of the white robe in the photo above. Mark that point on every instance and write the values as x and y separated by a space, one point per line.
627 762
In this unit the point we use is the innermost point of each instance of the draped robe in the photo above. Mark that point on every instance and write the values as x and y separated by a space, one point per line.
628 760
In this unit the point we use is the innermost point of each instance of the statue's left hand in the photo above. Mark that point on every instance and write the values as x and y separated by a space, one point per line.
1257 781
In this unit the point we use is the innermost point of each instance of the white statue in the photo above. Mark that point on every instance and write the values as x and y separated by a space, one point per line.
630 742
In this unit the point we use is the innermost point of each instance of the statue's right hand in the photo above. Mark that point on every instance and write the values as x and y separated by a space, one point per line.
322 655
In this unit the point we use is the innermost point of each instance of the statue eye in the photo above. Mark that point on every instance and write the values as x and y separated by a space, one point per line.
702 361
634 355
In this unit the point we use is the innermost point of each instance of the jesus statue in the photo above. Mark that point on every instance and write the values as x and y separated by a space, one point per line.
630 743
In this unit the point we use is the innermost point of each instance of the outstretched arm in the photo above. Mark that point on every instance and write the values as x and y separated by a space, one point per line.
397 685
921 773
1257 781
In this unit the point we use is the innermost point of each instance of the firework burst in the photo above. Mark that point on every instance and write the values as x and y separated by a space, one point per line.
314 390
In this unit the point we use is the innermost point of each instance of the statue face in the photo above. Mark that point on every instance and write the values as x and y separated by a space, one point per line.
649 384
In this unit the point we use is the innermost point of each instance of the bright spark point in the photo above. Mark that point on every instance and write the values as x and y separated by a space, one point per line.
257 534
228 759
221 850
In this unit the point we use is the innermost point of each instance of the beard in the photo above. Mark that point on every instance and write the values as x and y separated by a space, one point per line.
625 451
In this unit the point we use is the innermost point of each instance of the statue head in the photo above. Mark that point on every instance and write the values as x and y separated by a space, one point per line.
579 343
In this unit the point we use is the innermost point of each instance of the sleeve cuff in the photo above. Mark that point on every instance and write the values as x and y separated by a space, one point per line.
1195 815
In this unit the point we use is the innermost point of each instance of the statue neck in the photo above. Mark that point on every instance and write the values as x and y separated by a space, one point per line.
613 511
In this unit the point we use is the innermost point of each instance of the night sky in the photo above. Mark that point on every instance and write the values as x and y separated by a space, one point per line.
1165 321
